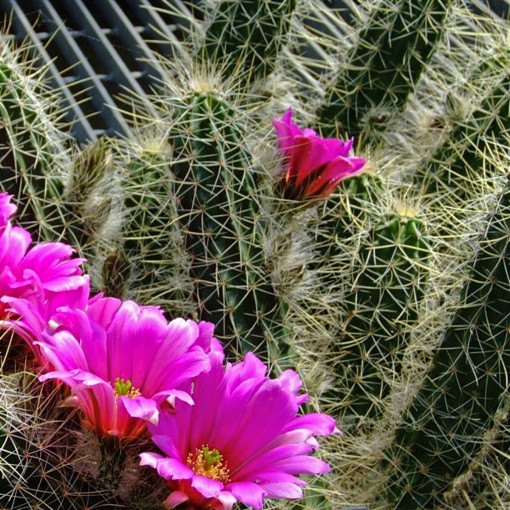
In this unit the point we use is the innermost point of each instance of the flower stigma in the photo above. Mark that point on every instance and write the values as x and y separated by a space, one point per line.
209 463
125 388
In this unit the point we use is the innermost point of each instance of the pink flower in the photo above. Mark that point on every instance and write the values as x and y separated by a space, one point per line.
242 440
123 361
44 275
313 165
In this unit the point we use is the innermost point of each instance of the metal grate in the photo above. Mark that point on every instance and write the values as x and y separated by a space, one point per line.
95 50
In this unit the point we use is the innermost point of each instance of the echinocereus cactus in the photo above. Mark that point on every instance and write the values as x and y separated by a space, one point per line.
243 440
377 285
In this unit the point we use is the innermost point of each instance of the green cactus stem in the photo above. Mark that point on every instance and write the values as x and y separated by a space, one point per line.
222 224
466 386
383 68
147 264
246 37
382 307
33 152
342 214
455 164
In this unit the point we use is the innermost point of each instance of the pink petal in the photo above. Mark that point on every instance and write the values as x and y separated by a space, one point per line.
140 407
282 490
248 493
14 242
6 208
173 469
169 372
150 459
227 500
269 459
175 499
206 486
302 464
316 423
259 428
171 396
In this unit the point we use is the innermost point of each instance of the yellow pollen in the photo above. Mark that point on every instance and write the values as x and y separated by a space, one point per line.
209 463
124 388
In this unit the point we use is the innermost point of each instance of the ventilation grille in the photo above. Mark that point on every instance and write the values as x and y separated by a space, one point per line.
95 51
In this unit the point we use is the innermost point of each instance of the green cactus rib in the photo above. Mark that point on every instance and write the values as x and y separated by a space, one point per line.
246 37
115 274
29 148
342 212
453 164
466 386
147 261
383 68
222 226
382 309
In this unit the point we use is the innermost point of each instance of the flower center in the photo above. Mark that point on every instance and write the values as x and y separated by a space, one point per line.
125 388
209 463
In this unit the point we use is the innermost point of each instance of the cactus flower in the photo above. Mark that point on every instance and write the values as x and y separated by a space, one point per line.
313 166
242 440
44 275
123 361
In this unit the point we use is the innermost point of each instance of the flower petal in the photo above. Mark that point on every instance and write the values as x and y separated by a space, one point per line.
282 490
206 486
248 493
175 499
140 407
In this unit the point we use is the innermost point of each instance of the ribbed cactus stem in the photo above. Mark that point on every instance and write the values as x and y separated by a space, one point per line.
456 165
383 306
222 225
466 386
246 37
87 203
31 149
342 213
116 274
147 265
383 68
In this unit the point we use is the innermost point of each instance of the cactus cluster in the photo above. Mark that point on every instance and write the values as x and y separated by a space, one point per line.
389 296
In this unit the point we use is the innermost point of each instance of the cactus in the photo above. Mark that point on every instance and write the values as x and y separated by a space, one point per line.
222 226
47 459
147 261
362 285
448 172
384 67
465 387
246 38
34 152
381 308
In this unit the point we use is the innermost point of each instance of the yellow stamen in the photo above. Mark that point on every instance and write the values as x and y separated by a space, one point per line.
209 463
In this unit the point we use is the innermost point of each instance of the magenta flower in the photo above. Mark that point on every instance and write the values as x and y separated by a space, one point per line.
242 440
44 275
122 361
313 165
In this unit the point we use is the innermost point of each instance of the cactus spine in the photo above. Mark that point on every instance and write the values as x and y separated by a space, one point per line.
382 307
198 216
148 258
33 151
